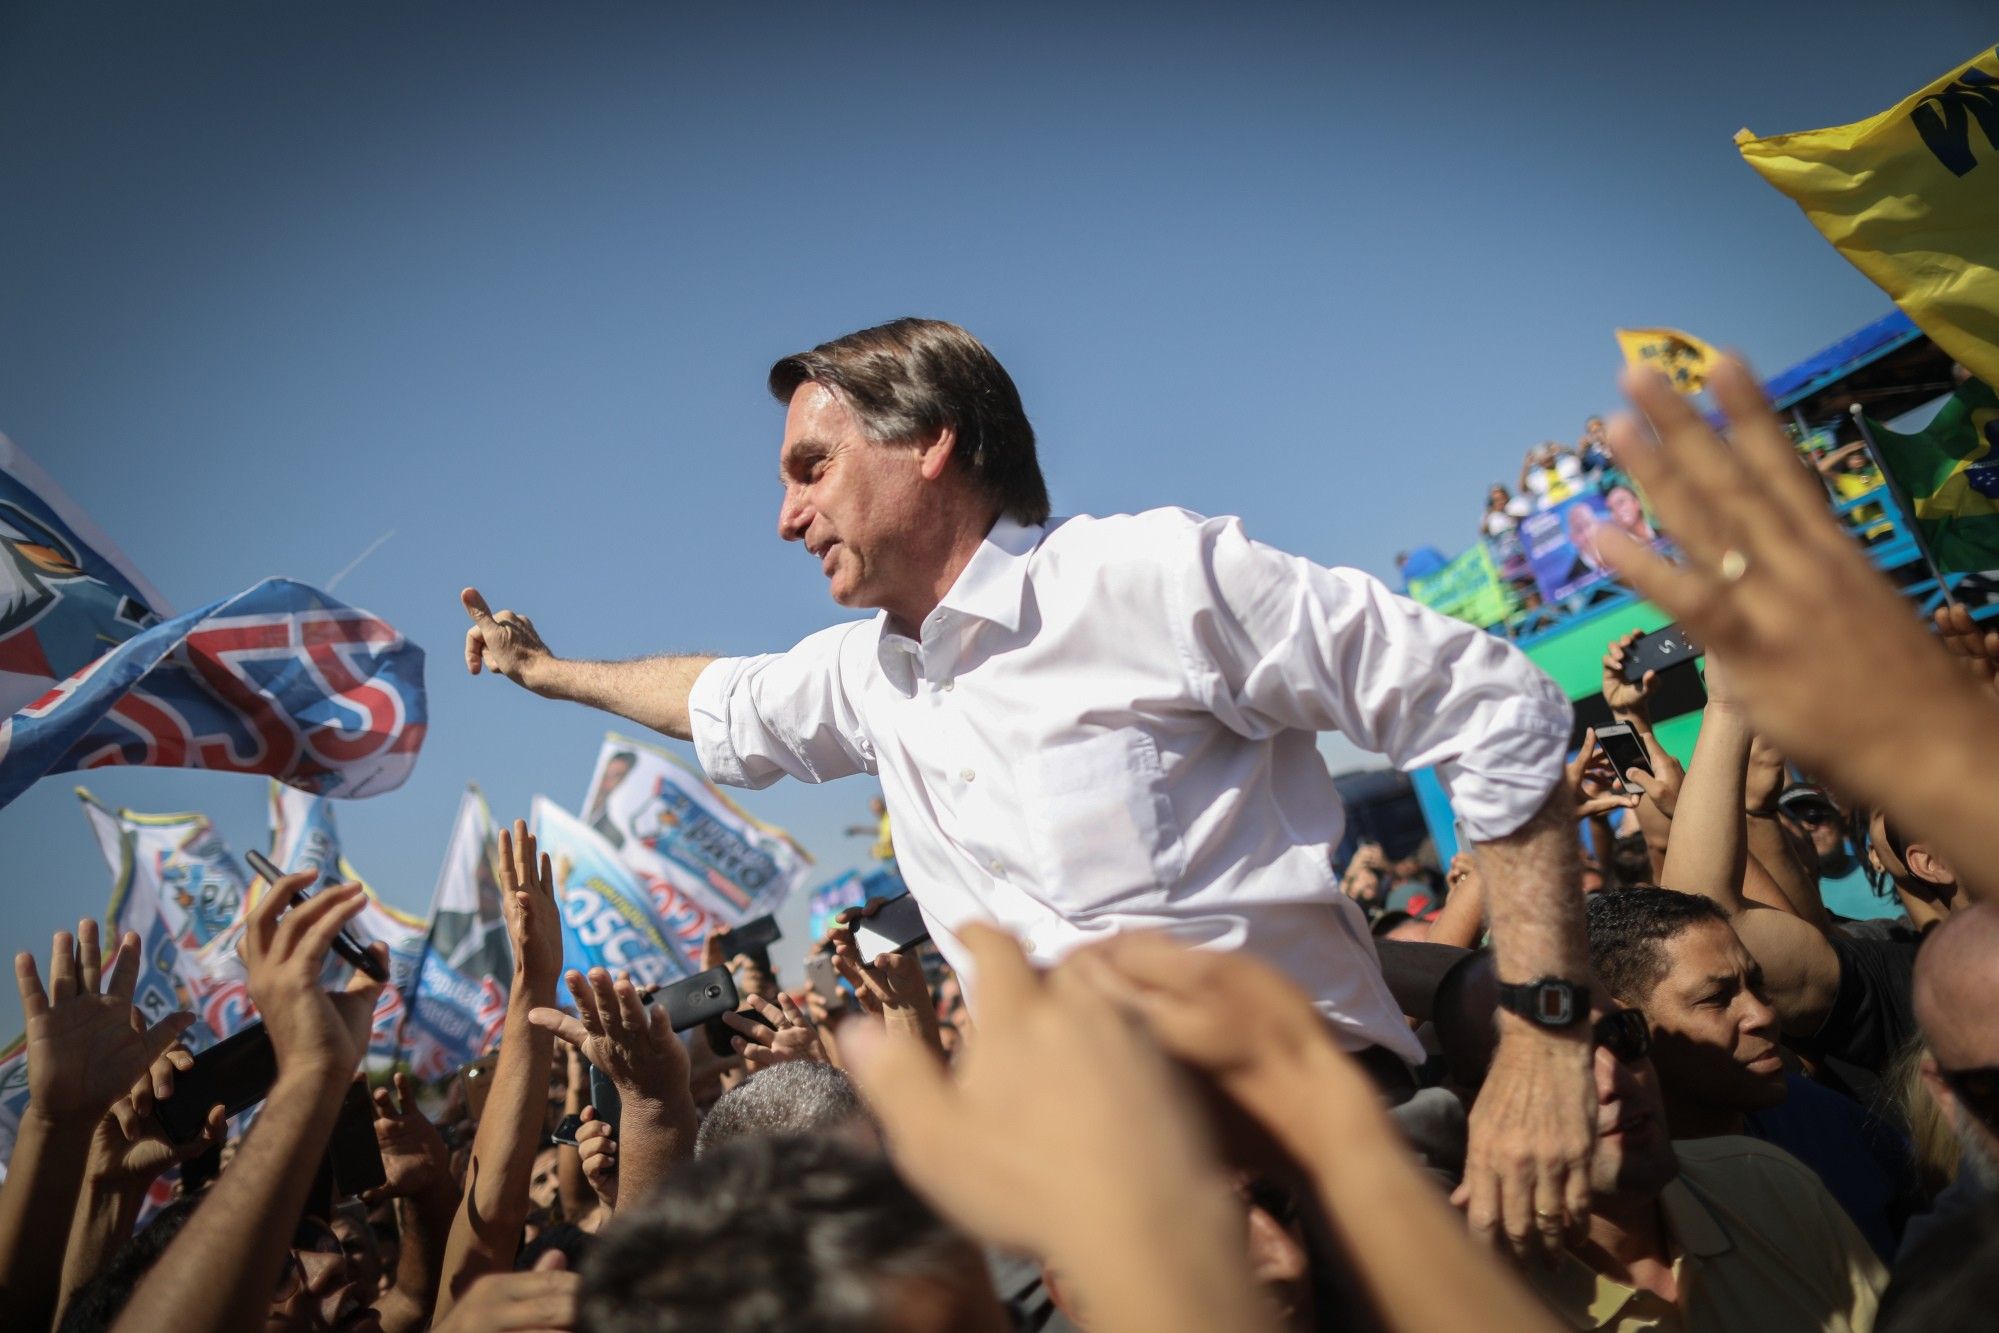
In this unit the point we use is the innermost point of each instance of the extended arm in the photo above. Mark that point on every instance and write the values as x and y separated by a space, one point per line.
487 1230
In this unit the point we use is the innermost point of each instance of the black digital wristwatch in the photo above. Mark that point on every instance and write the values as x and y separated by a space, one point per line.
1550 1002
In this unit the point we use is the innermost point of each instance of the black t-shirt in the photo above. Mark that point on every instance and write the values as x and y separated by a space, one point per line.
1872 1017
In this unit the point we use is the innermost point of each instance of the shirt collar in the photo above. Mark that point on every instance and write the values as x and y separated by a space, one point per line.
1691 1230
989 586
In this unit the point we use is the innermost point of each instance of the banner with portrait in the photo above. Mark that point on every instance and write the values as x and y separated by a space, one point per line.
694 850
1562 541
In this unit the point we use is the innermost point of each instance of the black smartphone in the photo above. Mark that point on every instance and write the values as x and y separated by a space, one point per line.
825 979
1657 651
760 933
604 1096
692 1001
1625 750
566 1131
345 944
896 925
357 1157
236 1072
720 1034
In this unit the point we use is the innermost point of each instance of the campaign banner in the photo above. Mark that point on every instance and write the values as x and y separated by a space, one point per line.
608 919
67 595
177 885
852 889
305 837
280 679
458 1005
1469 588
1561 545
695 851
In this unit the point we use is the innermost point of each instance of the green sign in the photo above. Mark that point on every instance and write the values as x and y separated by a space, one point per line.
1468 588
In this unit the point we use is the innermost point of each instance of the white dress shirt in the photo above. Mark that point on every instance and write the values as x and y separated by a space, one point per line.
1108 724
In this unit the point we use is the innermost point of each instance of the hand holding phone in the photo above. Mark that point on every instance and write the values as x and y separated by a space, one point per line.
693 1001
758 933
1625 750
894 926
345 943
1656 651
235 1074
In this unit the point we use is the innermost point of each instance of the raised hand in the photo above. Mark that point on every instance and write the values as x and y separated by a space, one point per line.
542 1299
1627 699
1590 777
85 1047
597 1145
313 1032
631 1042
506 644
414 1156
791 1034
534 922
1977 644
1770 578
130 1149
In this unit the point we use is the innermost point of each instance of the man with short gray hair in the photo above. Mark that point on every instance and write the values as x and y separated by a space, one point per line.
796 1097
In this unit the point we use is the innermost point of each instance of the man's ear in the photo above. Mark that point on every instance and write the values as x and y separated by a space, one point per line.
1927 866
934 454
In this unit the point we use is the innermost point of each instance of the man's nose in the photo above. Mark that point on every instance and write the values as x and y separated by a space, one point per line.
793 516
1758 1016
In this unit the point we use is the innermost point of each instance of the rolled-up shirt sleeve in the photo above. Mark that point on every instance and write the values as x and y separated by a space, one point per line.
758 719
1273 641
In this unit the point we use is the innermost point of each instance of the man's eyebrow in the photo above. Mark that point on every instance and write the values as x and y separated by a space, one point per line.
803 451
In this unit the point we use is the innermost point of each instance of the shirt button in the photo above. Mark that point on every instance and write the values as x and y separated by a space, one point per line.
996 865
946 686
967 774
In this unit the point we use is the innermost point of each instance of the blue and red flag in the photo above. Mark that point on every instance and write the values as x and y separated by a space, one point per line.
280 679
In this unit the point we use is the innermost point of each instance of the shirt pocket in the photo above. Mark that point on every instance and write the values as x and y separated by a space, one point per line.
1099 820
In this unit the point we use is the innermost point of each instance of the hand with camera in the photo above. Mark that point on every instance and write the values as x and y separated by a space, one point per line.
318 1037
892 987
1592 781
1630 701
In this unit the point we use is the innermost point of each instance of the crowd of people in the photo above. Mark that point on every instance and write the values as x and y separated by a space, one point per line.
1792 1122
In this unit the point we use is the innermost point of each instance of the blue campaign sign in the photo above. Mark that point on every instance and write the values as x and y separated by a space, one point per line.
1561 545
608 920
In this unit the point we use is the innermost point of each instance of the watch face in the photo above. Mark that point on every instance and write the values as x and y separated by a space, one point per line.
1555 1006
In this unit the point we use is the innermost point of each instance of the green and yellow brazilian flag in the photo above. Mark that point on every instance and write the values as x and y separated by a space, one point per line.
1949 472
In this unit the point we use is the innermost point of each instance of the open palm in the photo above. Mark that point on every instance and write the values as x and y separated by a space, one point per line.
85 1048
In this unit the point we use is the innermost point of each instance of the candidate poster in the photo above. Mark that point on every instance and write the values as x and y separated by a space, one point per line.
608 919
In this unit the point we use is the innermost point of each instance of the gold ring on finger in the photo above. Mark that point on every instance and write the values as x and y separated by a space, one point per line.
1734 564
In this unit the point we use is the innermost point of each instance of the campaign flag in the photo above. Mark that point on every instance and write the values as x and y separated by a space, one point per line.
67 595
698 856
175 882
608 919
13 1096
1948 474
305 837
279 679
1469 588
852 889
1911 198
1680 357
458 1005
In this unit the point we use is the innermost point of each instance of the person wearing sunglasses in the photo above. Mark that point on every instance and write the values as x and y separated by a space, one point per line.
1714 1233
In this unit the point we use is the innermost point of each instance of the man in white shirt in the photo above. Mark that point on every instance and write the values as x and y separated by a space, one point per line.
1089 725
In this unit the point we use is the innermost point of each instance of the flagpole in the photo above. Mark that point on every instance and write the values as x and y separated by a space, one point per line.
1902 503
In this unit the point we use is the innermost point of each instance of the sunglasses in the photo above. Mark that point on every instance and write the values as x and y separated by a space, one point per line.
1625 1034
1978 1090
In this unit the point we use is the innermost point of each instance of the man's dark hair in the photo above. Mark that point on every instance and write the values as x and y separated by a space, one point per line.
796 1097
784 1235
1628 929
98 1302
911 377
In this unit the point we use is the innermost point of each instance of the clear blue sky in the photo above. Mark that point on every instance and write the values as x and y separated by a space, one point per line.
504 279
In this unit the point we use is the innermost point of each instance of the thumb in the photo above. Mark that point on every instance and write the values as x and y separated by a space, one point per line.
908 1090
475 606
551 1261
1636 778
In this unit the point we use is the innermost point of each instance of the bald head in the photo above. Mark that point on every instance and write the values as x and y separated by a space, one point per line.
1956 989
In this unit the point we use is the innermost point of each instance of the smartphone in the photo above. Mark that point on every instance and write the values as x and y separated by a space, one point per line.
896 925
1657 651
759 933
478 1078
825 980
566 1131
604 1097
236 1072
692 1001
1625 750
720 1034
345 943
357 1157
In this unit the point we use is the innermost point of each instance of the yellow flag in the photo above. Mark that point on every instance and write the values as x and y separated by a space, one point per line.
1911 198
1680 357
